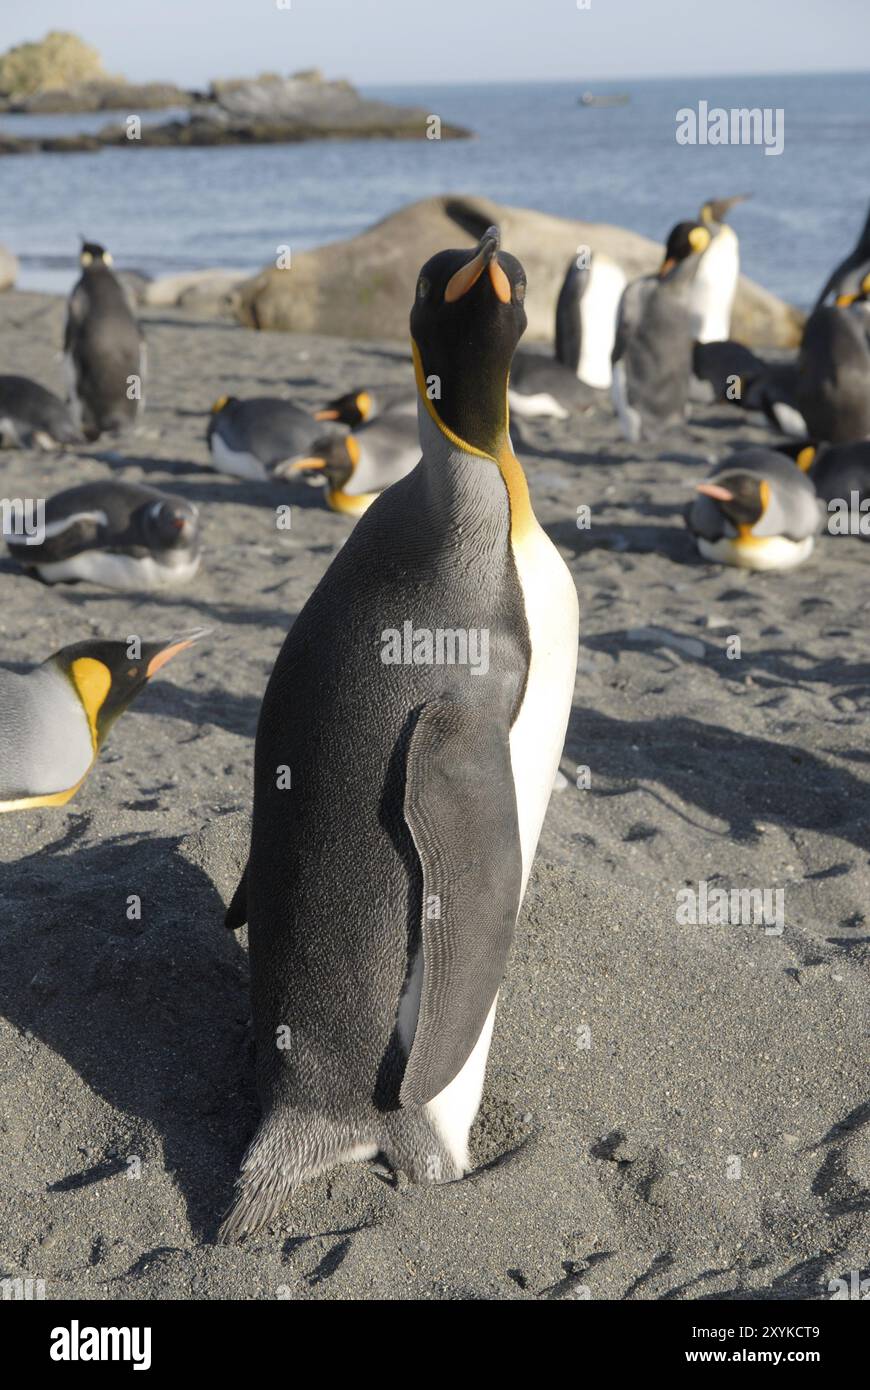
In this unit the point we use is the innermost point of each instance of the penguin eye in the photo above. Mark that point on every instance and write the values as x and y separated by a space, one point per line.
423 287
520 291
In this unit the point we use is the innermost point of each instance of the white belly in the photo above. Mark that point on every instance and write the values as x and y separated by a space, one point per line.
757 553
598 310
118 571
714 287
538 734
240 464
540 405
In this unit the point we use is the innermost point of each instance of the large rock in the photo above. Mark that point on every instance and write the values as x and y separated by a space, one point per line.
109 94
58 61
363 288
200 291
8 269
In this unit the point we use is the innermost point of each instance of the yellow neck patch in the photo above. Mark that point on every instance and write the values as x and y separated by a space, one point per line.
523 519
93 681
805 458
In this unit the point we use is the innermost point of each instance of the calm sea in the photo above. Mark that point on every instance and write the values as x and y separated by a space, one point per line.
167 210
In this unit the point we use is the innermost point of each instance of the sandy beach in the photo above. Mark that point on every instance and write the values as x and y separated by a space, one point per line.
672 1110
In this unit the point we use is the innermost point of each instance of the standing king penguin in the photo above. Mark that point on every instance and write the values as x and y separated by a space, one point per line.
104 349
713 289
652 354
383 886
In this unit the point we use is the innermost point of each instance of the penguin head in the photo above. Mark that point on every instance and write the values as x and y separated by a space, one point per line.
221 404
171 523
857 292
106 678
715 210
351 409
332 460
686 240
742 497
467 319
93 256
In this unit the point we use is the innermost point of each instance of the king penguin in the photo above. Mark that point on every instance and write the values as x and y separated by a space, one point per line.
377 968
360 407
833 376
358 466
55 718
652 354
32 417
586 312
711 297
840 473
104 349
845 280
118 534
756 511
249 438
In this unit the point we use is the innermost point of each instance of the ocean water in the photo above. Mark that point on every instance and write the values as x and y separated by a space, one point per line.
166 210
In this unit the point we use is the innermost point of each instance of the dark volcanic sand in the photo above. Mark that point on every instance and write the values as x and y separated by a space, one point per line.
714 1050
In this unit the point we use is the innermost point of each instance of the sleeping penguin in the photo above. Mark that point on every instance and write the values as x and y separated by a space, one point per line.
32 417
117 534
756 511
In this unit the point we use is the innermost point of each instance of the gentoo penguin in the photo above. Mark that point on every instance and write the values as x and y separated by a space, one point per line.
844 282
756 511
248 438
32 417
840 474
358 407
652 354
728 371
55 718
121 535
711 297
586 312
833 385
104 349
375 971
358 466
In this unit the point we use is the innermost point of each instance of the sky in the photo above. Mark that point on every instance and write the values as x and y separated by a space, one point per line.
378 42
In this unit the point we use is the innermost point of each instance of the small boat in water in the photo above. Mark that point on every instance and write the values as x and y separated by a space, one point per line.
605 99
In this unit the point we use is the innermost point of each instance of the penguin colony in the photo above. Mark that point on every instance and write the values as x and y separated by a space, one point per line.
443 775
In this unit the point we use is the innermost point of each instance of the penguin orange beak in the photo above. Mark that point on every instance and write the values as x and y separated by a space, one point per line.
666 266
485 258
306 465
173 647
326 414
719 494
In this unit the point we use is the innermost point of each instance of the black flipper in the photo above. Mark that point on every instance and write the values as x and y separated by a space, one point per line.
237 912
460 806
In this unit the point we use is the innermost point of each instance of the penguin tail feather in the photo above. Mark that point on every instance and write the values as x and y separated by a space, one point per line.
282 1154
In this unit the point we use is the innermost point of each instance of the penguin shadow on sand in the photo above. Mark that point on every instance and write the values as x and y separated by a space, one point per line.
152 1014
675 754
637 537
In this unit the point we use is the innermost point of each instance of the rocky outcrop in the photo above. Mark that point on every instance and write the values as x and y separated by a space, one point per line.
108 95
8 269
363 288
263 110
